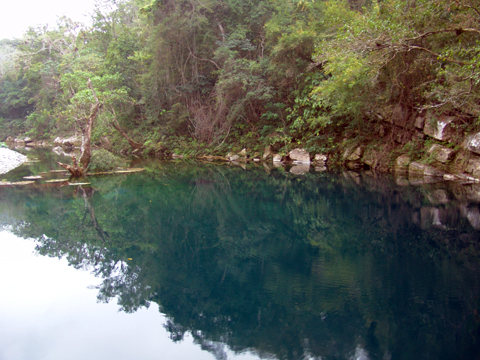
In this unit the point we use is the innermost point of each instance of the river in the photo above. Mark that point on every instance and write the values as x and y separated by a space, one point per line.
208 261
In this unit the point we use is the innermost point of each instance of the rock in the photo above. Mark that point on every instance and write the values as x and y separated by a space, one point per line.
19 142
473 167
27 140
299 156
431 217
300 169
353 154
420 122
10 159
243 153
371 157
10 139
438 127
257 159
449 177
354 165
267 153
401 180
440 153
473 143
402 163
416 168
320 159
438 197
234 157
472 214
71 142
320 168
277 159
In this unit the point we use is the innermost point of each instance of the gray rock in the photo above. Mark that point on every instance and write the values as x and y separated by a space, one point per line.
243 153
27 140
300 169
420 122
402 163
299 156
473 143
473 167
10 159
353 154
440 153
416 168
438 127
277 159
320 159
234 157
267 153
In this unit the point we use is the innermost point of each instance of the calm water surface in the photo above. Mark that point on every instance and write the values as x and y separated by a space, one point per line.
216 262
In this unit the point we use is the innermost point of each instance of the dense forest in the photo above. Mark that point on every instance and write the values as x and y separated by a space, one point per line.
204 77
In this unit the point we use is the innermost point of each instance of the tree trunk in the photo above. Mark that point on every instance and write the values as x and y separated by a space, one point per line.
76 170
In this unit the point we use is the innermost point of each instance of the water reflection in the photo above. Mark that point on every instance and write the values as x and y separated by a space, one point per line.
288 267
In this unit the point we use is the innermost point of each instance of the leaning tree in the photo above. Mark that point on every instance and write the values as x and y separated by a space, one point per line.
88 98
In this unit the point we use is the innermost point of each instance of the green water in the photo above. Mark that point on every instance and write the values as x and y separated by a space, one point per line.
330 266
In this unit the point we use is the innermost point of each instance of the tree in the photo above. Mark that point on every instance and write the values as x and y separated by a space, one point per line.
88 97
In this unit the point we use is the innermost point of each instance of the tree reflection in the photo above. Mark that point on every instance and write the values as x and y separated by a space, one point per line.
282 266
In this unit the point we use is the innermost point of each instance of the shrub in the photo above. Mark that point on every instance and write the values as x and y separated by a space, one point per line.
103 160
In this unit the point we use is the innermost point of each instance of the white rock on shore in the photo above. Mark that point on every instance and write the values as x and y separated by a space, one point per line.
10 159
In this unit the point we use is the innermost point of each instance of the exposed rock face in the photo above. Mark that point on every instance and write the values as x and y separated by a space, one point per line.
71 142
473 167
441 153
243 153
402 163
438 127
320 159
10 159
473 143
277 159
267 153
300 169
419 169
299 156
353 153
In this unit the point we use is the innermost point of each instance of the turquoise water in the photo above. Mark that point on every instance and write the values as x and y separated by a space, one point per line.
258 264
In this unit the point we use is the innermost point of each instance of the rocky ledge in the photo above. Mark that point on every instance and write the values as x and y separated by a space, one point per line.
10 159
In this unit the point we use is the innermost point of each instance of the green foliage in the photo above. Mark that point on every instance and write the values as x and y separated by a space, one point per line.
103 160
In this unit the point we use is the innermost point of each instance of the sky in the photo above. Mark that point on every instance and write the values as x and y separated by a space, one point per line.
49 310
16 16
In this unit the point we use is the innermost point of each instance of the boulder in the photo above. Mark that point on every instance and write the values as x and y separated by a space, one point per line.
277 159
439 126
27 140
402 163
353 153
420 122
473 143
299 156
416 168
440 153
243 153
300 169
234 157
320 159
473 167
